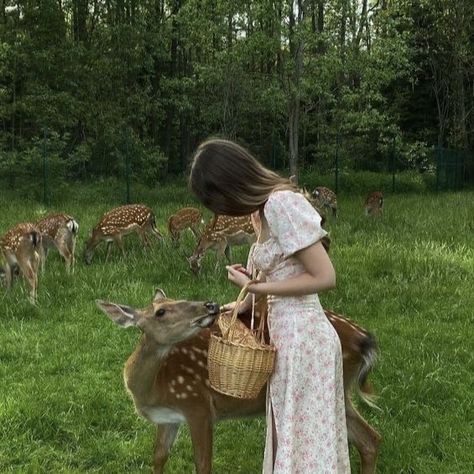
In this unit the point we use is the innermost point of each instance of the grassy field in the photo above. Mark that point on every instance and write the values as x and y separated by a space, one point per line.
407 277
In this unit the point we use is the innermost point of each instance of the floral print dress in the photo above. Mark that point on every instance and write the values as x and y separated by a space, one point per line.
305 393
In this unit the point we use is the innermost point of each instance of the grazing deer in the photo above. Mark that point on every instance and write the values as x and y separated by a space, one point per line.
186 218
168 379
374 204
325 199
220 234
21 247
118 222
60 231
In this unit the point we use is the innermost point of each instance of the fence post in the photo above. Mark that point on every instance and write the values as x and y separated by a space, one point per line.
438 162
45 171
336 176
127 165
393 164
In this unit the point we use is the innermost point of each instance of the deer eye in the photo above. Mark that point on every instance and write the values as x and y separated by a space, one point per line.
160 312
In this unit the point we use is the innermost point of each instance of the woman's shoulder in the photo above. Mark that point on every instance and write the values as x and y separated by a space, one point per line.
285 198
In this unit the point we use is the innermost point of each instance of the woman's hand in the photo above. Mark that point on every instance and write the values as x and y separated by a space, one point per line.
228 307
237 274
245 305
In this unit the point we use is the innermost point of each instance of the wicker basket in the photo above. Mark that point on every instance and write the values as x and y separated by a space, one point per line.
239 361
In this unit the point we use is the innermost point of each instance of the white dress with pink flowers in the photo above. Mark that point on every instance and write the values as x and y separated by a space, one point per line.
306 389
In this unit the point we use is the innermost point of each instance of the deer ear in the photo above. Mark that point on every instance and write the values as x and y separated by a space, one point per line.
159 294
122 315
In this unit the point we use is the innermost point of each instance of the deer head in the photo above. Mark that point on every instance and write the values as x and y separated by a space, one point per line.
166 321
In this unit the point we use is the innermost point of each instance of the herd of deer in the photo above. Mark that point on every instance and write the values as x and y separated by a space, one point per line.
167 374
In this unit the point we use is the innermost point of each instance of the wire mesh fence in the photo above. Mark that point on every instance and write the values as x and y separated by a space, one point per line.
47 168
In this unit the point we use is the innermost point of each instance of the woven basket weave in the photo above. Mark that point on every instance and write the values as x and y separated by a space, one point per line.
239 361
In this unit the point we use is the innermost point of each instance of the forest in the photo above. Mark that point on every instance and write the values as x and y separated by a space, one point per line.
99 85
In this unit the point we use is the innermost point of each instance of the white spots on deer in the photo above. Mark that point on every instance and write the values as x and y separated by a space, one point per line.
20 246
186 218
124 218
180 379
200 351
188 369
220 233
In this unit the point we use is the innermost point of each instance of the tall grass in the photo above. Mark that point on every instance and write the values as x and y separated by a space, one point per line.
407 277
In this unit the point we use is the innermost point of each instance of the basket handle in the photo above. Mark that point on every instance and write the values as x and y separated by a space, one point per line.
260 334
242 295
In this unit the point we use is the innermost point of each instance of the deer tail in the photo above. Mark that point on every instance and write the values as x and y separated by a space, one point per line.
35 238
73 226
369 351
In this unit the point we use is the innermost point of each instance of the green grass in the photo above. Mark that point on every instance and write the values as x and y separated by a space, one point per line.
407 277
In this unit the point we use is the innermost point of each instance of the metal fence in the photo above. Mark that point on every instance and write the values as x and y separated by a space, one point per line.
451 169
454 169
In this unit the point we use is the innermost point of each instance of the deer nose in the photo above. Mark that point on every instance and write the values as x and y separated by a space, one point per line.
213 308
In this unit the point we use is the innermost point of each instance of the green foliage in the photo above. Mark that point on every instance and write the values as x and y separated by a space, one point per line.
175 72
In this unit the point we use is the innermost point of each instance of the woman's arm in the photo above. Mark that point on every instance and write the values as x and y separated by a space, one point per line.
319 275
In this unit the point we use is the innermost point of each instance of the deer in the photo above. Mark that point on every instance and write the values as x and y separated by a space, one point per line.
220 233
326 199
373 205
186 218
168 380
21 248
118 222
60 231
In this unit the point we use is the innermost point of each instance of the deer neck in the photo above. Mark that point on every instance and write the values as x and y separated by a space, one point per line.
142 367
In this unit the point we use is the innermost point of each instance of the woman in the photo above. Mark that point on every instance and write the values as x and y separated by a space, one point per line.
306 425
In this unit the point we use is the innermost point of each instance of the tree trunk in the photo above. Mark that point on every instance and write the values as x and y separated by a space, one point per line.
296 45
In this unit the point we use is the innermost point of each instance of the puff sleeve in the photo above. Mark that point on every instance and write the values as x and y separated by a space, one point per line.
293 221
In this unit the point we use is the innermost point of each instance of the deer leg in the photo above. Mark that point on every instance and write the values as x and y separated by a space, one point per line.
364 438
175 238
228 253
201 436
148 238
221 252
109 248
44 256
69 259
119 242
8 275
165 436
72 249
195 231
64 248
151 227
28 271
143 237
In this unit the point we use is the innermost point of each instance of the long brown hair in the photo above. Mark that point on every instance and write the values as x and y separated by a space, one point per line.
227 179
